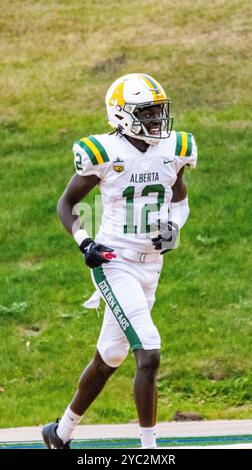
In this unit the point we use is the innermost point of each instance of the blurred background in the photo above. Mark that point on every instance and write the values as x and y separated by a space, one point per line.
57 60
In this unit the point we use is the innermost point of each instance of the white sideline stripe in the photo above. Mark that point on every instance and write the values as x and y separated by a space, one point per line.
228 446
107 431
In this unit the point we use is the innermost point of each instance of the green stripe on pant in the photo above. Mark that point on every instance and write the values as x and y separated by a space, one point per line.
116 308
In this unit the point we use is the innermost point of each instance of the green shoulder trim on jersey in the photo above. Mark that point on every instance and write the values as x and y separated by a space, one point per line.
115 307
183 144
94 149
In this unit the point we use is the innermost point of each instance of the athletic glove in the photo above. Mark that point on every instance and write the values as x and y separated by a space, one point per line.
95 254
168 238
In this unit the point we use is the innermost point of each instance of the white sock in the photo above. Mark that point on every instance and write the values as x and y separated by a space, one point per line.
148 437
67 425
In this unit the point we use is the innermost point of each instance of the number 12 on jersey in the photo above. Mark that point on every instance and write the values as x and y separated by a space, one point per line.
146 209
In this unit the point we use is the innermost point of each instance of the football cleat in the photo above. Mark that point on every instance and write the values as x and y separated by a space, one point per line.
131 94
51 438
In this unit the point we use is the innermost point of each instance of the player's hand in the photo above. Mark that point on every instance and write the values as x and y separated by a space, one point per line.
95 254
167 239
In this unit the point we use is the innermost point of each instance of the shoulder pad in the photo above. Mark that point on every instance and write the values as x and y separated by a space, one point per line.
183 144
94 149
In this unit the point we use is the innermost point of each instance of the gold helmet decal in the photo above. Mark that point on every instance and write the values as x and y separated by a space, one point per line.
117 95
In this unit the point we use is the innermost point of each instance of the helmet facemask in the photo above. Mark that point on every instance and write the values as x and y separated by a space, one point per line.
135 126
152 128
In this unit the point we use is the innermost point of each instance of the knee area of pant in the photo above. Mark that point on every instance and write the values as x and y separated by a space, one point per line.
112 357
150 337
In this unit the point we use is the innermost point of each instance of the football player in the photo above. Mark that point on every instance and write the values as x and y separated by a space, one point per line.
139 169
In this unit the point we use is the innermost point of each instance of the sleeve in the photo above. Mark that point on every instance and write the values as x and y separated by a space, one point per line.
90 157
185 150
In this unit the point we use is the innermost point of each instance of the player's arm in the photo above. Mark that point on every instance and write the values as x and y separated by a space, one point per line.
76 190
179 204
186 155
178 215
179 189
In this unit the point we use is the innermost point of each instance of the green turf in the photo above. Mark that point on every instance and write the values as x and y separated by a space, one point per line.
57 61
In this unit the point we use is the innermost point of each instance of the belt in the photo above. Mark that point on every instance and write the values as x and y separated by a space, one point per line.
141 257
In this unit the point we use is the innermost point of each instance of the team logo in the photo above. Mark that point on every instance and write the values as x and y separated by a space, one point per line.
118 165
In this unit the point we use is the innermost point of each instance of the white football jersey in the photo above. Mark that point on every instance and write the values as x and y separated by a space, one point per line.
136 187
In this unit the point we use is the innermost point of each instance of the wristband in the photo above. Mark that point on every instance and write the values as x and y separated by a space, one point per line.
80 235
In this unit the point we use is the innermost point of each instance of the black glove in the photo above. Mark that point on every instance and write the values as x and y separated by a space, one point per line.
93 253
168 237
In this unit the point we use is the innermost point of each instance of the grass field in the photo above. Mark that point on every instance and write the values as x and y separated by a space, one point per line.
57 60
